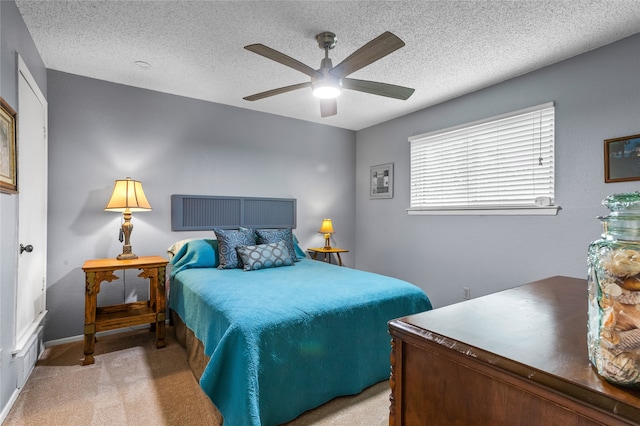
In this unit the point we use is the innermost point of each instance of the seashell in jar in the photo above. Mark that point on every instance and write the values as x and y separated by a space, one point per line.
631 283
631 298
612 290
627 318
623 263
606 301
629 339
623 368
609 338
609 318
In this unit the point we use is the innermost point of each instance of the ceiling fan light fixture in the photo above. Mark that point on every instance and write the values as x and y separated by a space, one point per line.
327 89
328 81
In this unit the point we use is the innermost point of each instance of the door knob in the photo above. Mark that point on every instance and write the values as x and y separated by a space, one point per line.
28 248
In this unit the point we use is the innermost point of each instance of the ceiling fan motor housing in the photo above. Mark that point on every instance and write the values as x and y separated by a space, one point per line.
326 40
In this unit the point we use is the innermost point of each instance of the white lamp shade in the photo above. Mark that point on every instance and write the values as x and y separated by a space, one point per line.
128 196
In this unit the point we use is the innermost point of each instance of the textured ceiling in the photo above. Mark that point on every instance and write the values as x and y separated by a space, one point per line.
195 48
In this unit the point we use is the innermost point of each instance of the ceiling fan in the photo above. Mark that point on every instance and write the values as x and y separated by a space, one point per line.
327 81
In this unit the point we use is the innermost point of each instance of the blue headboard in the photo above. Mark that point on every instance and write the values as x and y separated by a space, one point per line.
204 212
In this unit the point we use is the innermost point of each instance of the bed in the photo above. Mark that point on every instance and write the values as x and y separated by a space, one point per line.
278 341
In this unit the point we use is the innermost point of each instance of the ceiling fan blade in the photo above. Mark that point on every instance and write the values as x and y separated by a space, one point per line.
277 91
328 107
380 89
274 55
376 49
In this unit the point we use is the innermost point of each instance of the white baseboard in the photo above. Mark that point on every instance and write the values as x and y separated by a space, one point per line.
7 408
24 360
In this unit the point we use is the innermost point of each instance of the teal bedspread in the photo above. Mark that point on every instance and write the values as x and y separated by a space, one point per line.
284 340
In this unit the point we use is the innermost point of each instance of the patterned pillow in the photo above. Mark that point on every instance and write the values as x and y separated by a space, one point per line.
262 256
266 236
228 240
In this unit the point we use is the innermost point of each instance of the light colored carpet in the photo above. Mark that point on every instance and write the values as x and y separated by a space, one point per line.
133 383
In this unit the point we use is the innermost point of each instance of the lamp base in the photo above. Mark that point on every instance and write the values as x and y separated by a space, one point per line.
327 241
126 253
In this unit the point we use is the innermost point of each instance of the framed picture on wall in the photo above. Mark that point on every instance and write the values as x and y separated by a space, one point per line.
381 181
8 165
622 159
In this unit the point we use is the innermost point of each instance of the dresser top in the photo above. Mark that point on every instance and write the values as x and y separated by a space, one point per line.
537 331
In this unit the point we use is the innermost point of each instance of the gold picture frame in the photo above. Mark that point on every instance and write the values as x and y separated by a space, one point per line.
8 149
622 159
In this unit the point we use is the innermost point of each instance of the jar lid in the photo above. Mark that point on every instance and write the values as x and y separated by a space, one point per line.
624 220
629 202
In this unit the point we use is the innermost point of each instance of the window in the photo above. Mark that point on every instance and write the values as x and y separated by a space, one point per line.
502 164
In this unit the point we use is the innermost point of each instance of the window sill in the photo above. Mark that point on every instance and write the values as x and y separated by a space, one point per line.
497 211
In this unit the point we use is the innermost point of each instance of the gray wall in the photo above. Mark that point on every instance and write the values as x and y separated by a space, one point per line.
100 131
14 40
597 97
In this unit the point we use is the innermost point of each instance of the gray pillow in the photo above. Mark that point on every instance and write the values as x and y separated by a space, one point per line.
266 236
263 256
228 240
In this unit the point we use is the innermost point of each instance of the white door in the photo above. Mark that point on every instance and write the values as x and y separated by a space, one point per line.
32 205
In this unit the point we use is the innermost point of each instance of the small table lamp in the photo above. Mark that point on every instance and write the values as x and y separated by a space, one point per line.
127 197
327 229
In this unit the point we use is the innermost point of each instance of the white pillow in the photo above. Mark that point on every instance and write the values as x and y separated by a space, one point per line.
173 249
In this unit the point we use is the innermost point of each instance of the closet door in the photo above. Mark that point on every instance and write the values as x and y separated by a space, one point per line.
32 205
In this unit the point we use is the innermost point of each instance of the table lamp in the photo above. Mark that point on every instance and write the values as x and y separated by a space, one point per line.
127 197
327 229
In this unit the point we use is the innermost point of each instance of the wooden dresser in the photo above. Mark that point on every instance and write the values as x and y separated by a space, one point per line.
517 357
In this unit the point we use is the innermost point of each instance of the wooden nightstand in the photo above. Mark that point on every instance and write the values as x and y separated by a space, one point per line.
104 318
327 253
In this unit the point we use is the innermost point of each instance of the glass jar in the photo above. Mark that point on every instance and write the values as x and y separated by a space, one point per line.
613 334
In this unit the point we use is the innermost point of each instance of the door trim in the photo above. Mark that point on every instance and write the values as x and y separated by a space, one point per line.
23 71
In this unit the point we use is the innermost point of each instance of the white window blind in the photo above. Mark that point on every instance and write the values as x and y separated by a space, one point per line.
497 163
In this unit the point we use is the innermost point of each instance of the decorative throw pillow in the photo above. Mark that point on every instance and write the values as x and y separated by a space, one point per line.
266 236
262 256
228 240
